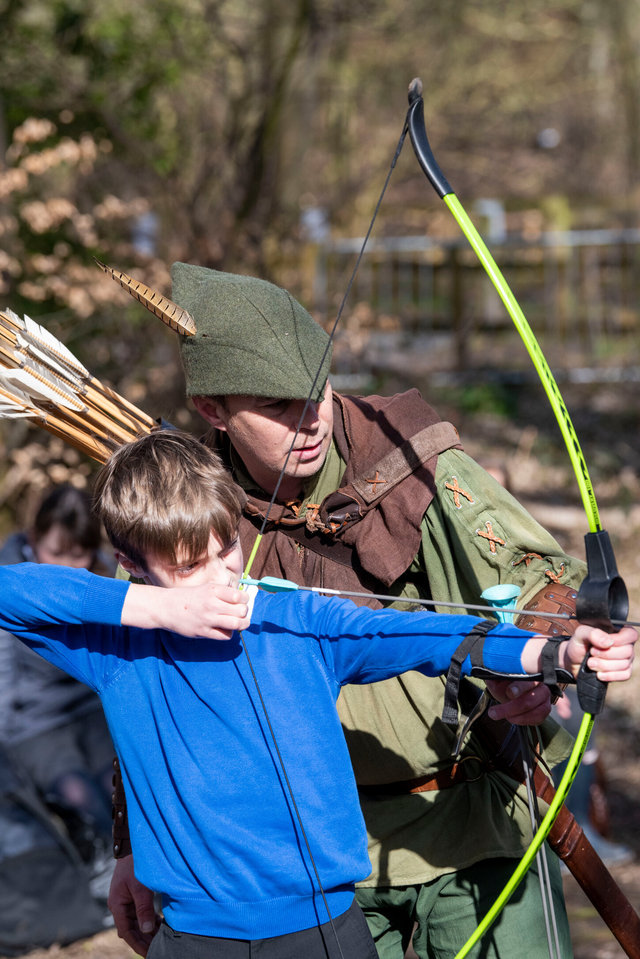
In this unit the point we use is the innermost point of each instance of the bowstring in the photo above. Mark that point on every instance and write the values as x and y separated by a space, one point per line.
332 335
546 892
271 504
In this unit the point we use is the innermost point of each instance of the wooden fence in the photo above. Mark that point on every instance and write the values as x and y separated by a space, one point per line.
580 292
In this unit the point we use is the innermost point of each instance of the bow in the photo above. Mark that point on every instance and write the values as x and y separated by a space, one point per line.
602 596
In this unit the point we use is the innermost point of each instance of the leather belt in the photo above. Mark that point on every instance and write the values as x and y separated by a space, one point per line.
469 769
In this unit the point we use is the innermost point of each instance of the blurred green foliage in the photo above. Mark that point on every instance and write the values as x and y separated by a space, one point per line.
226 119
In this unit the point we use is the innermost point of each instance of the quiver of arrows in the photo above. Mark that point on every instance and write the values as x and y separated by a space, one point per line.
42 381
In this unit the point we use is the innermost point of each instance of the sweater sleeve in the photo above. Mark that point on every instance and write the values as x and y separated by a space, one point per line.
69 616
367 645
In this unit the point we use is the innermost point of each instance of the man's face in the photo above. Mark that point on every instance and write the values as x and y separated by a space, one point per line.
262 430
220 564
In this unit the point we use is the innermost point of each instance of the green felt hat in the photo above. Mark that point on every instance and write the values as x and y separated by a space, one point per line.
252 337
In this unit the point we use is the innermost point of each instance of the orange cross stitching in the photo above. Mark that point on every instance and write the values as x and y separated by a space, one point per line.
526 559
491 537
555 577
376 482
457 490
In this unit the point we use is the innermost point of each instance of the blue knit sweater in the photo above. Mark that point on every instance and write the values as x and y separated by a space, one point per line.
212 825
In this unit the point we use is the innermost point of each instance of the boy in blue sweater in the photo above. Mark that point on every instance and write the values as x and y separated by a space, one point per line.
262 856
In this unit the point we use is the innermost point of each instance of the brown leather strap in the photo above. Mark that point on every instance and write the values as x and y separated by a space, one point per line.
405 459
121 838
467 770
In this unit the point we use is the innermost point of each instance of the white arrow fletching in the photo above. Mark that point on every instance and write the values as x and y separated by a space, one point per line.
50 386
42 389
50 342
9 411
33 349
13 402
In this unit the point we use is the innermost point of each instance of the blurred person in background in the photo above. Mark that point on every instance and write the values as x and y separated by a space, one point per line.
52 726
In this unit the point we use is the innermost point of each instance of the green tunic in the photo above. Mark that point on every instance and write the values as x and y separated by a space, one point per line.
474 535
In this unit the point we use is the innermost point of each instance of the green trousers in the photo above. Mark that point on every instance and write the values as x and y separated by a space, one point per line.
446 912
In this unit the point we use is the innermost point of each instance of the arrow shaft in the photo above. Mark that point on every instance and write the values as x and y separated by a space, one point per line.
409 600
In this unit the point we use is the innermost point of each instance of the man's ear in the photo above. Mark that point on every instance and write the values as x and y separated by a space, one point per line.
210 410
129 566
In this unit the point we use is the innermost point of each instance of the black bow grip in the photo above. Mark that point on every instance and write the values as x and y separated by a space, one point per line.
602 602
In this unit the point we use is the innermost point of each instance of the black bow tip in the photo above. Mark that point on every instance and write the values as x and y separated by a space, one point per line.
415 89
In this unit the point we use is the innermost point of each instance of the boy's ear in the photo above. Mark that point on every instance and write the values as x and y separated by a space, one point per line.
129 566
210 411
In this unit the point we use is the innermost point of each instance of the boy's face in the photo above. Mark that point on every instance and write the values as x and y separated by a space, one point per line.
261 431
221 565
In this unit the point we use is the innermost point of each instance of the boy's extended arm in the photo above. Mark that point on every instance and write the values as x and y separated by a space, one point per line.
377 644
35 596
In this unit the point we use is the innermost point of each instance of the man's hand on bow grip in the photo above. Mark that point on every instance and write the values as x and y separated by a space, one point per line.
520 702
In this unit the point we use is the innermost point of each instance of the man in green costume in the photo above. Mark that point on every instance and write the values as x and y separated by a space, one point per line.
377 496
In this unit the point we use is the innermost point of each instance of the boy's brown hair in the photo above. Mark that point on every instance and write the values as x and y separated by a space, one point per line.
164 493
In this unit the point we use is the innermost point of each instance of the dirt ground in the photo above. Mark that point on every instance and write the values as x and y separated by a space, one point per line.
542 482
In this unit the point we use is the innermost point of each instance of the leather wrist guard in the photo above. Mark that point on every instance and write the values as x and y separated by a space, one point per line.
552 598
121 839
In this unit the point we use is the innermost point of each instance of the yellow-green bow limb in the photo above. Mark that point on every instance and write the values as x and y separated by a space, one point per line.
602 596
417 132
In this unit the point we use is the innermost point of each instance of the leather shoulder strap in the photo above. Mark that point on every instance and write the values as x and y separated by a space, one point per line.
403 460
